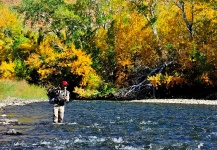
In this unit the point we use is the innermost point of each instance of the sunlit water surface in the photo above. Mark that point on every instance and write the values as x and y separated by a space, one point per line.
112 125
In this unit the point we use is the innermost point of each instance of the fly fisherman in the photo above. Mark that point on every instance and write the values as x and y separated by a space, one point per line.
58 97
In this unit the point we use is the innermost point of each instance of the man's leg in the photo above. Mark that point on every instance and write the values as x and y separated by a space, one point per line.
61 114
55 114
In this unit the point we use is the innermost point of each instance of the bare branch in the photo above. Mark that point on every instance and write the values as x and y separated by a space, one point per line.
144 86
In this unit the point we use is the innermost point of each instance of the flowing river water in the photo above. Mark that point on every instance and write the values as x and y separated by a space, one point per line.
112 125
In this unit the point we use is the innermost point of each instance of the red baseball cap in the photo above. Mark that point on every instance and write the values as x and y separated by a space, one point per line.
64 83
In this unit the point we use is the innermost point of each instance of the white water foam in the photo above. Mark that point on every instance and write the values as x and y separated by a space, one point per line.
147 122
95 124
111 121
127 148
73 123
214 133
95 139
20 144
118 140
118 117
64 141
200 145
45 143
79 140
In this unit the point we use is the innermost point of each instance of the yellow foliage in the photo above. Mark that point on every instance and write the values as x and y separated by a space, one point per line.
63 34
1 44
125 62
132 43
167 80
50 60
170 25
7 18
26 46
155 80
33 61
93 81
81 66
81 63
205 79
100 39
121 78
7 70
9 23
130 38
45 73
5 45
85 93
45 48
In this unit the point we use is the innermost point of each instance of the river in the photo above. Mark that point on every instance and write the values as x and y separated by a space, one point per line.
112 125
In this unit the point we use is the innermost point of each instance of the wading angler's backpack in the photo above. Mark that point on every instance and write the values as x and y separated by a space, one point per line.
55 96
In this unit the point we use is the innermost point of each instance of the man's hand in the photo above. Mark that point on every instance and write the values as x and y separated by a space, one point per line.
65 98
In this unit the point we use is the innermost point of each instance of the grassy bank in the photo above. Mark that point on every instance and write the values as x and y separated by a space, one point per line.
20 89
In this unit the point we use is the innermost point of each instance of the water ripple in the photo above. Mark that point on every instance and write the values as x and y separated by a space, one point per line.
113 125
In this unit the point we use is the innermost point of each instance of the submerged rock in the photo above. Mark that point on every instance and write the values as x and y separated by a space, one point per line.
13 132
8 121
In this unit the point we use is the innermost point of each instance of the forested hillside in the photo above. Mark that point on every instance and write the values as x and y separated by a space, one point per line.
123 48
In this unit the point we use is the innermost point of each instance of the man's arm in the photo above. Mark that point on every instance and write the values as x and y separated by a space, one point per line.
67 96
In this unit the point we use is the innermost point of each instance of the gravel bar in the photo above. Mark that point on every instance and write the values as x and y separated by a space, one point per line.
17 101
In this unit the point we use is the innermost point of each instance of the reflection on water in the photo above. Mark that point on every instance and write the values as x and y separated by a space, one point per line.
113 125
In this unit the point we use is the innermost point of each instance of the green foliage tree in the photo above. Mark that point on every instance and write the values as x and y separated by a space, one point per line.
11 37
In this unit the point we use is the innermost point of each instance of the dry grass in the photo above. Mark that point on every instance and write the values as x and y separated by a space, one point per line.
20 89
11 2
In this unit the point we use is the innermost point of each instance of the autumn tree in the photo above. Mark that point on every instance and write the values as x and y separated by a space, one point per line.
182 31
101 44
178 26
11 36
49 55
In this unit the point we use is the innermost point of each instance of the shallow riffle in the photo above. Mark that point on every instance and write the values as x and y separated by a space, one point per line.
112 125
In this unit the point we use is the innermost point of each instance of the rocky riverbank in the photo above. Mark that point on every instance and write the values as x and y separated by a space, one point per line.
10 101
17 101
